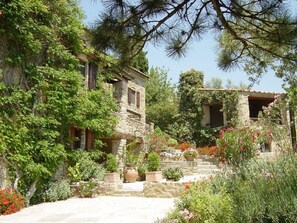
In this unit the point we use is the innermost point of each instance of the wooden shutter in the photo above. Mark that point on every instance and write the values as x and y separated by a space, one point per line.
92 75
129 95
90 137
138 99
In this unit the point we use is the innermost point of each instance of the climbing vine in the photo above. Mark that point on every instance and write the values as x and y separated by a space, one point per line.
41 89
192 98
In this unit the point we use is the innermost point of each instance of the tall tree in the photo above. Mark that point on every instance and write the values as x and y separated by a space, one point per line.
190 109
161 101
41 91
258 27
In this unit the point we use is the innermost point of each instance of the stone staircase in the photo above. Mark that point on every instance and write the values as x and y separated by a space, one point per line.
193 171
198 166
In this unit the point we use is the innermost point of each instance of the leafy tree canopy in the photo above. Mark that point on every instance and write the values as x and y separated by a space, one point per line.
249 30
161 100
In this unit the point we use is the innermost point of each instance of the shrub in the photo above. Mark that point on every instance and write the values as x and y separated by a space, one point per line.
111 163
263 191
10 201
141 171
86 169
173 174
153 161
57 191
258 191
184 146
201 205
190 154
208 151
236 146
88 189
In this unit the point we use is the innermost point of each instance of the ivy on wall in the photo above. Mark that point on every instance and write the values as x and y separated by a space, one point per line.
192 97
41 89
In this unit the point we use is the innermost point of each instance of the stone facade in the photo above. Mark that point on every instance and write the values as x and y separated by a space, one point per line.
250 104
129 92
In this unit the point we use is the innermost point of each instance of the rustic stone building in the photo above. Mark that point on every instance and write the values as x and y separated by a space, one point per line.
128 87
249 106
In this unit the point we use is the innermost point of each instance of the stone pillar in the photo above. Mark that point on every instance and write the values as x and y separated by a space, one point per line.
119 150
243 110
205 121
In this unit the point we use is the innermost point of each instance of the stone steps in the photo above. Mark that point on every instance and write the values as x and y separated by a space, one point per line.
198 166
125 193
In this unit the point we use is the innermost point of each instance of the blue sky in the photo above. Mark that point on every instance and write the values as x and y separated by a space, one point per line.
200 56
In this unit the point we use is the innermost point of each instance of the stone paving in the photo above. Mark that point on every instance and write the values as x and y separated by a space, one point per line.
103 209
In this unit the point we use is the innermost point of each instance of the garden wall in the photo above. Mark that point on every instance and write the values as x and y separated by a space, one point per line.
164 190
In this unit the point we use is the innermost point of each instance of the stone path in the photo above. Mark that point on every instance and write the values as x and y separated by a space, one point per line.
103 209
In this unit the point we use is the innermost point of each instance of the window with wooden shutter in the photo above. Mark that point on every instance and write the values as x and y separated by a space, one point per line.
93 68
131 96
138 99
90 139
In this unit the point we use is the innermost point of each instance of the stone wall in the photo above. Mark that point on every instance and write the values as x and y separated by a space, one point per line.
131 117
164 190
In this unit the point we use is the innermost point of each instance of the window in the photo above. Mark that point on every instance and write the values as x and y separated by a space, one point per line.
216 116
133 97
93 68
256 106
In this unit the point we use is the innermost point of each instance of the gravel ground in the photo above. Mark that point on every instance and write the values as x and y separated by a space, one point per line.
104 209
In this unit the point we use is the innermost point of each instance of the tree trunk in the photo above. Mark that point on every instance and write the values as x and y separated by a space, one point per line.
31 192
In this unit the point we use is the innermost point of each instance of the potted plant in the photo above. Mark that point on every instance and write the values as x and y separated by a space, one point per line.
130 172
111 168
190 154
153 165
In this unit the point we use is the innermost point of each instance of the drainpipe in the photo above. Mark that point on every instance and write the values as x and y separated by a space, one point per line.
293 129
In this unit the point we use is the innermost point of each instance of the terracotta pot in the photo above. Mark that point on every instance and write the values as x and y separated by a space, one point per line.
112 177
154 176
190 158
131 175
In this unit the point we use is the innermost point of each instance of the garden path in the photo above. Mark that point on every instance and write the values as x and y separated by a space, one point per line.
103 209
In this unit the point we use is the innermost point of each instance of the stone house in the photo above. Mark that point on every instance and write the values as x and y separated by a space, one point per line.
250 104
129 92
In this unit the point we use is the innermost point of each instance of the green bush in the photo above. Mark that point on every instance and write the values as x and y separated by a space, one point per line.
263 191
153 161
111 163
57 191
236 146
86 169
142 169
259 191
201 205
88 189
173 174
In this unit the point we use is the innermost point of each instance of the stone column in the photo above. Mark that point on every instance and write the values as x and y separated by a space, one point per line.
243 110
119 150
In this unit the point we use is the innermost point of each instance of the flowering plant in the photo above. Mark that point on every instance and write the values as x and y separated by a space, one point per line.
190 154
10 201
208 151
236 145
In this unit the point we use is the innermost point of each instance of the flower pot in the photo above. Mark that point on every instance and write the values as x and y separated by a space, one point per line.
112 177
154 176
130 175
190 158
